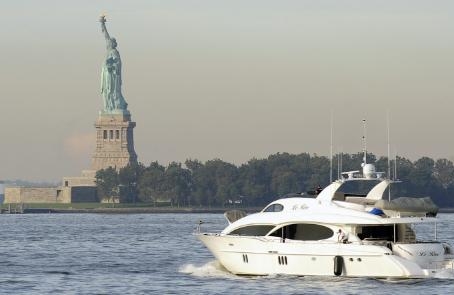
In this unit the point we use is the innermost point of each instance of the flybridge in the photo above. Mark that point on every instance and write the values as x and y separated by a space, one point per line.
369 172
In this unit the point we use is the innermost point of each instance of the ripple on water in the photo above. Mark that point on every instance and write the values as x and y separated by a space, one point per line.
153 254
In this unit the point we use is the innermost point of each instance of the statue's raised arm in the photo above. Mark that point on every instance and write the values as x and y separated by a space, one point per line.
102 20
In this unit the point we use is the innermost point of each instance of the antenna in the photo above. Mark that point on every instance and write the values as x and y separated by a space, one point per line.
395 166
331 152
342 156
338 165
364 142
389 154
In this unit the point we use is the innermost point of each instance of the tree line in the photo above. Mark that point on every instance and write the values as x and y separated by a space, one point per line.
259 181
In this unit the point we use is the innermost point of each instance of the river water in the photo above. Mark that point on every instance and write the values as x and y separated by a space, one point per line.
154 254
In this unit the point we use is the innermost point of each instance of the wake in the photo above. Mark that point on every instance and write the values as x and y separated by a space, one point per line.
447 274
210 269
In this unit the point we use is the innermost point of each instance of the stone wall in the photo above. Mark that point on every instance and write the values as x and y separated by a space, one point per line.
75 194
79 181
2 192
32 195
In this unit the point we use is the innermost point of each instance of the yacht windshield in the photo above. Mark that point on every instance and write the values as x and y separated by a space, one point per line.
274 208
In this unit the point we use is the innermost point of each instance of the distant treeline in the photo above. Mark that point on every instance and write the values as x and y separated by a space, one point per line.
259 181
25 183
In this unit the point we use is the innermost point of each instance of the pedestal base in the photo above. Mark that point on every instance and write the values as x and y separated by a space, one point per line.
114 142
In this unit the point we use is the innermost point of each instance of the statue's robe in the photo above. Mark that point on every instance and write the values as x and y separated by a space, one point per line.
111 82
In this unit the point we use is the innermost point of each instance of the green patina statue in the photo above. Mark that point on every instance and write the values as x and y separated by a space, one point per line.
113 100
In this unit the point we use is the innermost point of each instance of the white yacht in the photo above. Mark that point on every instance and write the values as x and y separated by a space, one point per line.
336 234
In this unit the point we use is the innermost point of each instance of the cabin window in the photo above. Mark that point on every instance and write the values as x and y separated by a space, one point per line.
274 208
382 232
253 230
304 232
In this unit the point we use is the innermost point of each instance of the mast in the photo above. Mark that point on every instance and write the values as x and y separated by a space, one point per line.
340 169
389 155
364 142
340 154
338 165
331 152
395 166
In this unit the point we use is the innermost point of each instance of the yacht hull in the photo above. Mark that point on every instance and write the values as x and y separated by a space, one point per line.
264 255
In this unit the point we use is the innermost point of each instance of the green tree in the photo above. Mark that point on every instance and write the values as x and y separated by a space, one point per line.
225 177
283 181
202 188
128 178
319 172
260 181
151 182
177 184
421 176
444 172
255 181
107 183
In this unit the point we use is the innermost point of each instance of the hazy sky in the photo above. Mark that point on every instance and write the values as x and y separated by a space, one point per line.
225 79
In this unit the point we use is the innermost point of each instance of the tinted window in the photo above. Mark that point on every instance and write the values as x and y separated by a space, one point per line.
385 232
274 208
304 232
253 230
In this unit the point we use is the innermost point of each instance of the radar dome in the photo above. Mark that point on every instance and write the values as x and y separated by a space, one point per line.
369 170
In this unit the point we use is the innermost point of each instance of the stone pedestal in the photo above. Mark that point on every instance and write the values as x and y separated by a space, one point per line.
114 142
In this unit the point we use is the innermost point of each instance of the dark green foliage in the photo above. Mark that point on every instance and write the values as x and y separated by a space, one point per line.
176 184
151 182
259 181
127 178
107 183
444 172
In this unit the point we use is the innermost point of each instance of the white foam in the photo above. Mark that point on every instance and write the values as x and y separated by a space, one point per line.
445 274
210 269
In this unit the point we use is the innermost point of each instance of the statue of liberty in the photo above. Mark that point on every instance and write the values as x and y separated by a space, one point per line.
113 100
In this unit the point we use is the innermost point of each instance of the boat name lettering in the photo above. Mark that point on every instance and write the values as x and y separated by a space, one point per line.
431 253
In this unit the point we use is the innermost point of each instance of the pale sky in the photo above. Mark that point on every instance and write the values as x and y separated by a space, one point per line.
225 79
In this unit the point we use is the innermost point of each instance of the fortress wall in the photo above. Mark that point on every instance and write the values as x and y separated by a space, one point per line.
30 195
79 181
66 195
2 192
12 195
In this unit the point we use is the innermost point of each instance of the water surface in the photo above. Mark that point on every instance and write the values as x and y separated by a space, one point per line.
154 254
